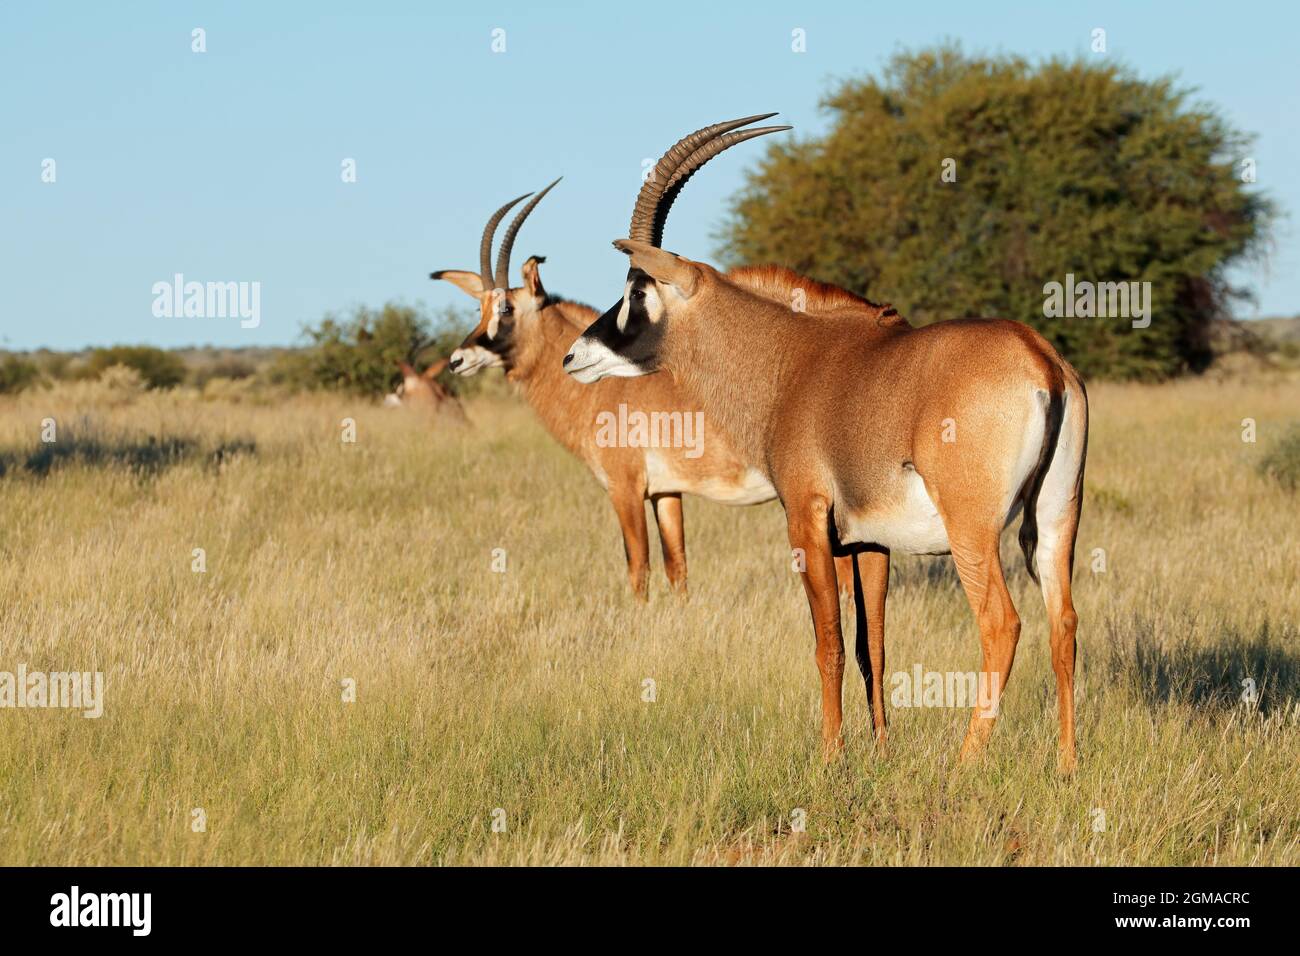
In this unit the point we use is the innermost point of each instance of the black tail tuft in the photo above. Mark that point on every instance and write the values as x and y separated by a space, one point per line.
1034 483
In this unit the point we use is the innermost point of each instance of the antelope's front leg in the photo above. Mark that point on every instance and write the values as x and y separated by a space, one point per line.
629 503
672 538
808 527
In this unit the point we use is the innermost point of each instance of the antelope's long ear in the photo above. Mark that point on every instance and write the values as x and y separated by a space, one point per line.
434 370
532 280
664 267
467 282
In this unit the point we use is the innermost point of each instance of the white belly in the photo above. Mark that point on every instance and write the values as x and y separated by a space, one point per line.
747 488
909 525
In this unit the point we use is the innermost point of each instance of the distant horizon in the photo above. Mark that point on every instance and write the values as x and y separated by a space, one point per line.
231 165
238 346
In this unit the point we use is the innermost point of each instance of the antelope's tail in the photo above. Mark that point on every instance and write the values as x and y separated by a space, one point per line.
1055 397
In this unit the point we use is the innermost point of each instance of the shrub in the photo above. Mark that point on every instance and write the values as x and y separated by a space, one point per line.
56 365
16 374
228 367
157 368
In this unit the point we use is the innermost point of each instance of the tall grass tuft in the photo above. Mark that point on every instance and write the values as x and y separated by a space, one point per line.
1282 463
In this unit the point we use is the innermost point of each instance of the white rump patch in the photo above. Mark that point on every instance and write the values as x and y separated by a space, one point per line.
1030 449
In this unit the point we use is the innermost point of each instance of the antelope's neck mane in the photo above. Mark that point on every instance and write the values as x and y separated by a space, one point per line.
780 285
576 314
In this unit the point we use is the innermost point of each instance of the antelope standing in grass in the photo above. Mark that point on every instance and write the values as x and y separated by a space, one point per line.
527 331
884 438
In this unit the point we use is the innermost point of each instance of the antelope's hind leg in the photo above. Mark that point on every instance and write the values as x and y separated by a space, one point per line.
844 573
1060 501
979 566
870 588
1054 566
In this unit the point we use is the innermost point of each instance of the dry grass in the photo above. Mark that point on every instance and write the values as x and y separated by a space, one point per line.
523 690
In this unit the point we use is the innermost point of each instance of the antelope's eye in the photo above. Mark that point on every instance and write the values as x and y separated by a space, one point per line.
638 294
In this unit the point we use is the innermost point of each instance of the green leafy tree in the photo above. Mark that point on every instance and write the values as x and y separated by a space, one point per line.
358 353
1053 169
158 368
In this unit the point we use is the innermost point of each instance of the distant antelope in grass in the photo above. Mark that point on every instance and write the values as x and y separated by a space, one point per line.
526 331
922 441
422 390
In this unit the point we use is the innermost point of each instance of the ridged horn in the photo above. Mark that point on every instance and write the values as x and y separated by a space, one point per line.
647 201
508 240
485 246
692 165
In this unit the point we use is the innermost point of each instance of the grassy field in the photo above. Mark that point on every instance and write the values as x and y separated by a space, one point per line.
518 697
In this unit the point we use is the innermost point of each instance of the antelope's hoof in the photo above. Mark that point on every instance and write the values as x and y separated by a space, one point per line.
831 750
971 751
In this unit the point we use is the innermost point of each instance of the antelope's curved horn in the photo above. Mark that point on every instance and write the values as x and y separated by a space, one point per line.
485 246
647 201
508 240
692 165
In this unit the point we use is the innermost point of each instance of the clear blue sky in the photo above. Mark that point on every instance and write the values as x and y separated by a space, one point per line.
226 165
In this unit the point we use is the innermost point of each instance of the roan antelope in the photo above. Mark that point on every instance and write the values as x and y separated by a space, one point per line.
886 438
526 331
422 390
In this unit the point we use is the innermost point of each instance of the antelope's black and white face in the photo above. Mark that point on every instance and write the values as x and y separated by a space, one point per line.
627 340
492 341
